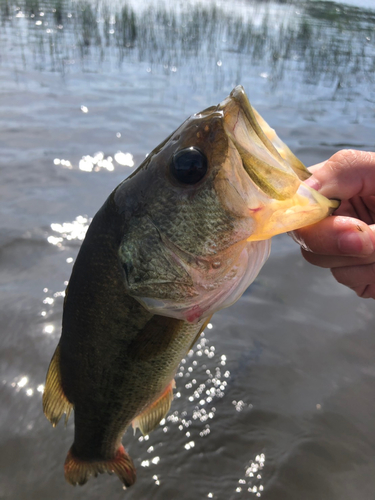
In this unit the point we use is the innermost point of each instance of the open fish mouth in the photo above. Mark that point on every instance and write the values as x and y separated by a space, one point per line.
193 249
276 196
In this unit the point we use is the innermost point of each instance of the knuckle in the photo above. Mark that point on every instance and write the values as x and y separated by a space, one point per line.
360 291
349 158
365 292
355 277
344 158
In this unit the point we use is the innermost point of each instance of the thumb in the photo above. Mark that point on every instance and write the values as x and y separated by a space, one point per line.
337 235
346 174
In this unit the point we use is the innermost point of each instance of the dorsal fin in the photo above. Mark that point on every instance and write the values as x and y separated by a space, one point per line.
149 419
55 403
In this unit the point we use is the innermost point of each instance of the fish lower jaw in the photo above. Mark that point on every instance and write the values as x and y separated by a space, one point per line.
284 222
306 207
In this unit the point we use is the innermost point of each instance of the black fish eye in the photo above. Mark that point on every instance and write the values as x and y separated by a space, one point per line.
189 166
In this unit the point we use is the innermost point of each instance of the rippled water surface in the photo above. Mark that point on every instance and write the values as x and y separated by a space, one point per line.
277 398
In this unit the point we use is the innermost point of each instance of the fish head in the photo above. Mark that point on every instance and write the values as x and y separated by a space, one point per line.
201 209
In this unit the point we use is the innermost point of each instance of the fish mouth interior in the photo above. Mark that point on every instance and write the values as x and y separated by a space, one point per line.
261 160
279 200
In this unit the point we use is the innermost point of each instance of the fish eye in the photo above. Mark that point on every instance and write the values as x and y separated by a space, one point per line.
188 165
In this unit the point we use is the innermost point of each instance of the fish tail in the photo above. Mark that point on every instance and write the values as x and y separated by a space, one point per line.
78 471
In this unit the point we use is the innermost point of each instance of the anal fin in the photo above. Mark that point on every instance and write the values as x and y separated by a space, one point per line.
149 419
55 403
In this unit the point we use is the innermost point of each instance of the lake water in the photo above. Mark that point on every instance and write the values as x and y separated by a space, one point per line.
277 399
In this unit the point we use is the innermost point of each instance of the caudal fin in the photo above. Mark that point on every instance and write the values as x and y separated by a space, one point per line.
79 471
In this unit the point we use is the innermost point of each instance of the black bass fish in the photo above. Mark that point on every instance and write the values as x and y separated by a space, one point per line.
179 239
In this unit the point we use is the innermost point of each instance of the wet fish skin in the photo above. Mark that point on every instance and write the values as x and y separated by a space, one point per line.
159 258
120 347
110 350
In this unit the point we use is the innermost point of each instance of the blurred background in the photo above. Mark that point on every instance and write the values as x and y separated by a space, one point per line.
277 398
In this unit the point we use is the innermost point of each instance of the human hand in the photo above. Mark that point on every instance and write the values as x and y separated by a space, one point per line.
345 242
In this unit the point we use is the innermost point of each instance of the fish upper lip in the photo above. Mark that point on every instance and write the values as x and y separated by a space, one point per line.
262 162
235 125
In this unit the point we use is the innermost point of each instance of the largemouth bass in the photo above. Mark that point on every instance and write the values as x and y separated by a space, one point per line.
179 239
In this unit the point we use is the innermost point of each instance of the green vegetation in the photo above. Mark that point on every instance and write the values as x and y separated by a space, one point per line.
321 39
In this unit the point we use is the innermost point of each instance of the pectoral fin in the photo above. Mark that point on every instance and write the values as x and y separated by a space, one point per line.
200 331
149 419
55 403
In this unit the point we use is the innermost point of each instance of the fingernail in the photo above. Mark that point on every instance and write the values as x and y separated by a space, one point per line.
313 183
355 243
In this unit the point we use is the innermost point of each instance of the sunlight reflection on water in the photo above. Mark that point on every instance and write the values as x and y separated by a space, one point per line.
22 384
201 394
69 231
98 162
275 36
